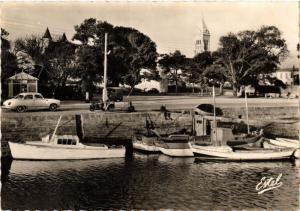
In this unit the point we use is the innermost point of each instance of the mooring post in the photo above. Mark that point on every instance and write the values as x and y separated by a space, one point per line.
79 126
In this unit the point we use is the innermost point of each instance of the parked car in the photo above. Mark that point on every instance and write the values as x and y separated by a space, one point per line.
207 109
31 101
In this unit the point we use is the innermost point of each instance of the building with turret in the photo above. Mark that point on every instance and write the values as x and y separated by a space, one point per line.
202 43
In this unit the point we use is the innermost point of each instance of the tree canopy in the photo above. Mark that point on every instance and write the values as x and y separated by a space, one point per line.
250 53
130 50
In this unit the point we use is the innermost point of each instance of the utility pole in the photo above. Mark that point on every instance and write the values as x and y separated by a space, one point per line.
104 92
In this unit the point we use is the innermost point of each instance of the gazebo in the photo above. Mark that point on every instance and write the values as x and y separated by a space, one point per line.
21 82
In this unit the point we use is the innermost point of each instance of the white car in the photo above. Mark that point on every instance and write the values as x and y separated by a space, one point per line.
31 101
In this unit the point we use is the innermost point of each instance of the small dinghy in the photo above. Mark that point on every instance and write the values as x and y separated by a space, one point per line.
62 147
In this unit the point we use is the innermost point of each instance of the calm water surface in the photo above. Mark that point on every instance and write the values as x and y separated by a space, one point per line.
146 182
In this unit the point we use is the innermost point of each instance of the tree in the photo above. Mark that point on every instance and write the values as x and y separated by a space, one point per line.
8 63
89 67
173 65
130 50
60 64
250 53
196 66
30 51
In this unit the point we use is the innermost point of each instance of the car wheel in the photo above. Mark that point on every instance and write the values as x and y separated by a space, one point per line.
20 109
110 107
53 107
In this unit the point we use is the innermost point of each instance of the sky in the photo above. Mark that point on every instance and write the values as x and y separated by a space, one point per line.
171 25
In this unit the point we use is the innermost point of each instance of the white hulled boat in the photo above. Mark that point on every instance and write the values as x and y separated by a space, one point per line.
176 146
221 151
62 147
145 143
226 153
284 143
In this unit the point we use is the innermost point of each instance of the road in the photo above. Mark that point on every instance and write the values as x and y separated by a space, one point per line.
148 103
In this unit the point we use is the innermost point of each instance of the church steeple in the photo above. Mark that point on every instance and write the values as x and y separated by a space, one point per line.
203 40
47 34
63 38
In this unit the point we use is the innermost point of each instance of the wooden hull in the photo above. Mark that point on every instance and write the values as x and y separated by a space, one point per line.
145 144
223 153
41 152
177 152
284 143
297 153
268 145
179 148
244 140
288 140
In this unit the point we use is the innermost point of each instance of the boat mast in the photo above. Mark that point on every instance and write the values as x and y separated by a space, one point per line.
104 92
246 102
215 122
54 132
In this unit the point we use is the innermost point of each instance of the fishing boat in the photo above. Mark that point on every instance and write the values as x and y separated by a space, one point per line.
268 145
145 143
220 151
294 141
175 146
227 153
63 147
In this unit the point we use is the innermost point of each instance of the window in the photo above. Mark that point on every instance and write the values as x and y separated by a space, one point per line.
69 141
65 141
59 141
38 97
20 97
28 97
73 142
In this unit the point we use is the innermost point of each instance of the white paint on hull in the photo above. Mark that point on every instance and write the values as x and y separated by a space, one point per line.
251 155
284 143
177 152
142 146
43 152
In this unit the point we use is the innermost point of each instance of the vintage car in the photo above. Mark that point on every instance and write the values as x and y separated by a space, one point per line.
30 101
207 110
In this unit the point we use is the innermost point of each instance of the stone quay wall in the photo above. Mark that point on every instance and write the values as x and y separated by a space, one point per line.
110 125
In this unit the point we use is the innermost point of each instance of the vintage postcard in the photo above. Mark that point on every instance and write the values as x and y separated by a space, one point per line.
150 105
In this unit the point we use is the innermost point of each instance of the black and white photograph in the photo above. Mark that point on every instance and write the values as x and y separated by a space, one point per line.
150 105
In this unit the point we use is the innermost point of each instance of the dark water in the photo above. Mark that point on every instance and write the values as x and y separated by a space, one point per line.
146 182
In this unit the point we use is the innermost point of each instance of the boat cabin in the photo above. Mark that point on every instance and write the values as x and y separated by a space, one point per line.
62 139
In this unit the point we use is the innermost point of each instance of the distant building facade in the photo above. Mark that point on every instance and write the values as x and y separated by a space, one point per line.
288 76
203 40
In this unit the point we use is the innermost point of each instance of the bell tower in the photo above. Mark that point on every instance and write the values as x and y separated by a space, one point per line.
46 39
203 40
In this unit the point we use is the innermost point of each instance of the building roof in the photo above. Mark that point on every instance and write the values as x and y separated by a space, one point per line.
22 76
47 34
63 38
288 70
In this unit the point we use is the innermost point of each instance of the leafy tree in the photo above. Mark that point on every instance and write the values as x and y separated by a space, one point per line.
173 65
8 63
89 66
60 64
195 68
130 50
30 51
250 53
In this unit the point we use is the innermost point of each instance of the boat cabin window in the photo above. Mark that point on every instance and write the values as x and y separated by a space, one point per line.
66 141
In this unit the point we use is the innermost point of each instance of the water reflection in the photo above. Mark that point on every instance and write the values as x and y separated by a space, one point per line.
147 182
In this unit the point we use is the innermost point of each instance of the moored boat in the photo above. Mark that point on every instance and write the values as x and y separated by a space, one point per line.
226 153
145 143
175 145
284 143
63 147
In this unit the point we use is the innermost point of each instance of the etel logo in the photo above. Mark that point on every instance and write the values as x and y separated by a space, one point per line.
270 183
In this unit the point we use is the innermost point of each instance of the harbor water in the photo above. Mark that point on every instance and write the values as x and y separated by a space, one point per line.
147 182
